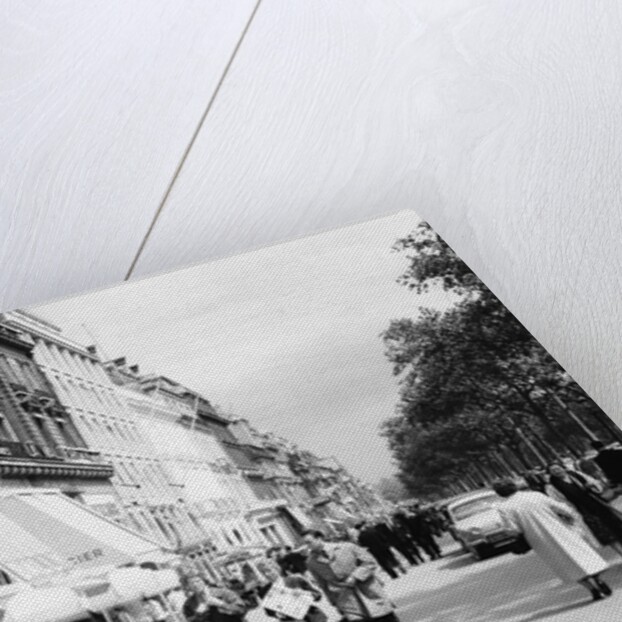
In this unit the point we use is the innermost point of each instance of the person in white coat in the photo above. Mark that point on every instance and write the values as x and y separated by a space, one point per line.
550 528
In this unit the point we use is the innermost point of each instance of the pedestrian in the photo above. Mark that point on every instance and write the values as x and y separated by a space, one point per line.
434 521
346 573
548 526
212 604
292 581
609 459
138 611
294 561
421 533
370 539
246 590
120 614
400 520
588 465
582 492
536 480
176 599
155 610
394 537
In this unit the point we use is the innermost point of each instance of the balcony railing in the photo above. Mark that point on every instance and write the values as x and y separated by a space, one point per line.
80 454
32 451
28 459
17 450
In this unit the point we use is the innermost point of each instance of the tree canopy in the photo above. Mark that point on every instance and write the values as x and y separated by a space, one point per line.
479 396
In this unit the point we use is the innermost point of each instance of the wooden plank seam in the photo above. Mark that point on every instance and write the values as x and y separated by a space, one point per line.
193 138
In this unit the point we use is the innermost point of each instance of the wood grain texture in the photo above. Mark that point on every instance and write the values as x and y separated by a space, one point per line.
498 121
97 102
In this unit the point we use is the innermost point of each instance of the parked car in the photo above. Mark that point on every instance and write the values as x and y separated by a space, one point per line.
478 526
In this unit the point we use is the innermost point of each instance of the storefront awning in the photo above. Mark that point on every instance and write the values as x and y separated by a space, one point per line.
55 604
49 536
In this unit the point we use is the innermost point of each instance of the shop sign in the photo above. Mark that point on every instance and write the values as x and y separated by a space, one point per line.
39 566
86 556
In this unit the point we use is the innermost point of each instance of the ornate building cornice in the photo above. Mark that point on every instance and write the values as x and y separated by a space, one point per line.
21 467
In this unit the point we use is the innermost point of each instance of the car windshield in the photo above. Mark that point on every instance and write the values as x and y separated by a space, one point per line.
472 507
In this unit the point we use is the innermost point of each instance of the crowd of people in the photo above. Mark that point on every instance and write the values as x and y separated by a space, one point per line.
588 485
564 513
409 534
336 575
343 574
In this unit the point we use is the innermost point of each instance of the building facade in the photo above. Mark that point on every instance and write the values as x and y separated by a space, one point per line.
211 490
108 427
156 456
40 446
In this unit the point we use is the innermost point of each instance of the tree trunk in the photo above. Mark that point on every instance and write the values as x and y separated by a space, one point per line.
505 467
572 415
532 448
547 447
539 412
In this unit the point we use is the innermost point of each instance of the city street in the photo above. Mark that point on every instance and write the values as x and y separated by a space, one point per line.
506 588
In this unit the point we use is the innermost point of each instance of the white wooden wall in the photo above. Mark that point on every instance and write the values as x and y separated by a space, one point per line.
499 121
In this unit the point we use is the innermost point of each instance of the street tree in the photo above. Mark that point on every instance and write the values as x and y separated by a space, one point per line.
477 392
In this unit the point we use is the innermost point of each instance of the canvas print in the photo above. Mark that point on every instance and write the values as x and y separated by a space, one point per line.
344 427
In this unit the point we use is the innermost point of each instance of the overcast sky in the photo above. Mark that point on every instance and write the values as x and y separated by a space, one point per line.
286 336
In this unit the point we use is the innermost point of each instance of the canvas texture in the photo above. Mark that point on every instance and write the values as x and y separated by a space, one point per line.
349 426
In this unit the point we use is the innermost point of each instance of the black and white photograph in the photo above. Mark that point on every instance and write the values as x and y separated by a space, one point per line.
348 426
310 311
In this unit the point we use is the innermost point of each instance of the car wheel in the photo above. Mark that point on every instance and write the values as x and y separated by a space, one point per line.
477 553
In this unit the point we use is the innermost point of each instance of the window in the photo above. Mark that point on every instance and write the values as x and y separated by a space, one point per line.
16 371
60 385
136 475
74 361
28 377
246 532
84 425
43 427
135 432
54 356
129 431
82 366
97 427
122 431
6 368
122 473
66 359
5 432
276 534
67 433
137 523
98 397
